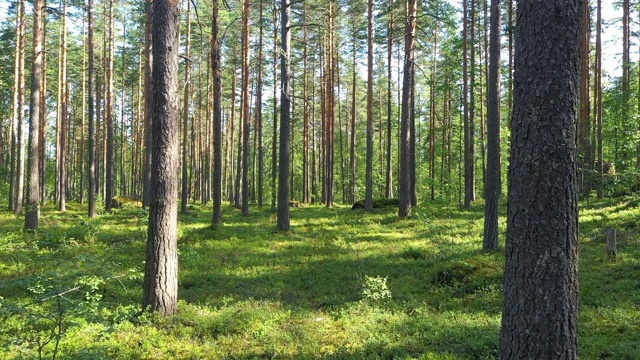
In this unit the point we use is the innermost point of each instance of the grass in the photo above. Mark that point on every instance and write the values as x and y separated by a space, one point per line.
342 284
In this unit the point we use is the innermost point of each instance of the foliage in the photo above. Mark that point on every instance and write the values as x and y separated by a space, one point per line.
341 284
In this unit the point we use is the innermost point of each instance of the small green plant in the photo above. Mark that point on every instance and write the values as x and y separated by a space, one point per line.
375 288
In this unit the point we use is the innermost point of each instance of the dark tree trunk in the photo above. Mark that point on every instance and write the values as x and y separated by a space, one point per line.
598 96
470 176
246 116
306 197
260 163
161 268
82 154
184 198
92 120
540 315
285 119
404 178
432 118
368 200
585 162
64 115
352 149
465 99
217 115
389 170
108 118
148 104
274 143
32 213
492 179
43 112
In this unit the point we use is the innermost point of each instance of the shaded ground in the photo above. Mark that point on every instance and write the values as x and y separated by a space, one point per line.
318 291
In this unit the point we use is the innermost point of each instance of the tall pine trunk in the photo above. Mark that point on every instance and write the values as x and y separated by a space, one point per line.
285 119
246 115
184 199
492 180
109 116
32 213
368 201
217 115
404 180
160 290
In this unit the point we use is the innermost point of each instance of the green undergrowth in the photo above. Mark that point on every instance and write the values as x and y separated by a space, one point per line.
342 284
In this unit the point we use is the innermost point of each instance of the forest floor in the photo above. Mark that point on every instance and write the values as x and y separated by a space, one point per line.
342 284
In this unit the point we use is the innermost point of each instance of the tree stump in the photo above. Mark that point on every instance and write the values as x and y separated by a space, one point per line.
611 242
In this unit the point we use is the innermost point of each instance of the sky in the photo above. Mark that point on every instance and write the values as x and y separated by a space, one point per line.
611 36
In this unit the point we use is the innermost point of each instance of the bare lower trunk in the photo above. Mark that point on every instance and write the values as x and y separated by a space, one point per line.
161 267
540 314
32 214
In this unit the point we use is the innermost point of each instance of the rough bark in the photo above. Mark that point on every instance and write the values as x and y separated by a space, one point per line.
161 266
492 179
64 115
284 221
541 284
109 165
465 105
260 155
217 115
184 194
92 121
274 143
148 104
352 149
32 211
246 115
404 179
368 202
389 169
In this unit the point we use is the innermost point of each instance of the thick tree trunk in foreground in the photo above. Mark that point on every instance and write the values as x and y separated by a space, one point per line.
32 213
492 179
161 267
541 276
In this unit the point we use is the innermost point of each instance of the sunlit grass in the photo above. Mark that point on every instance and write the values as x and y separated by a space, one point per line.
248 291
